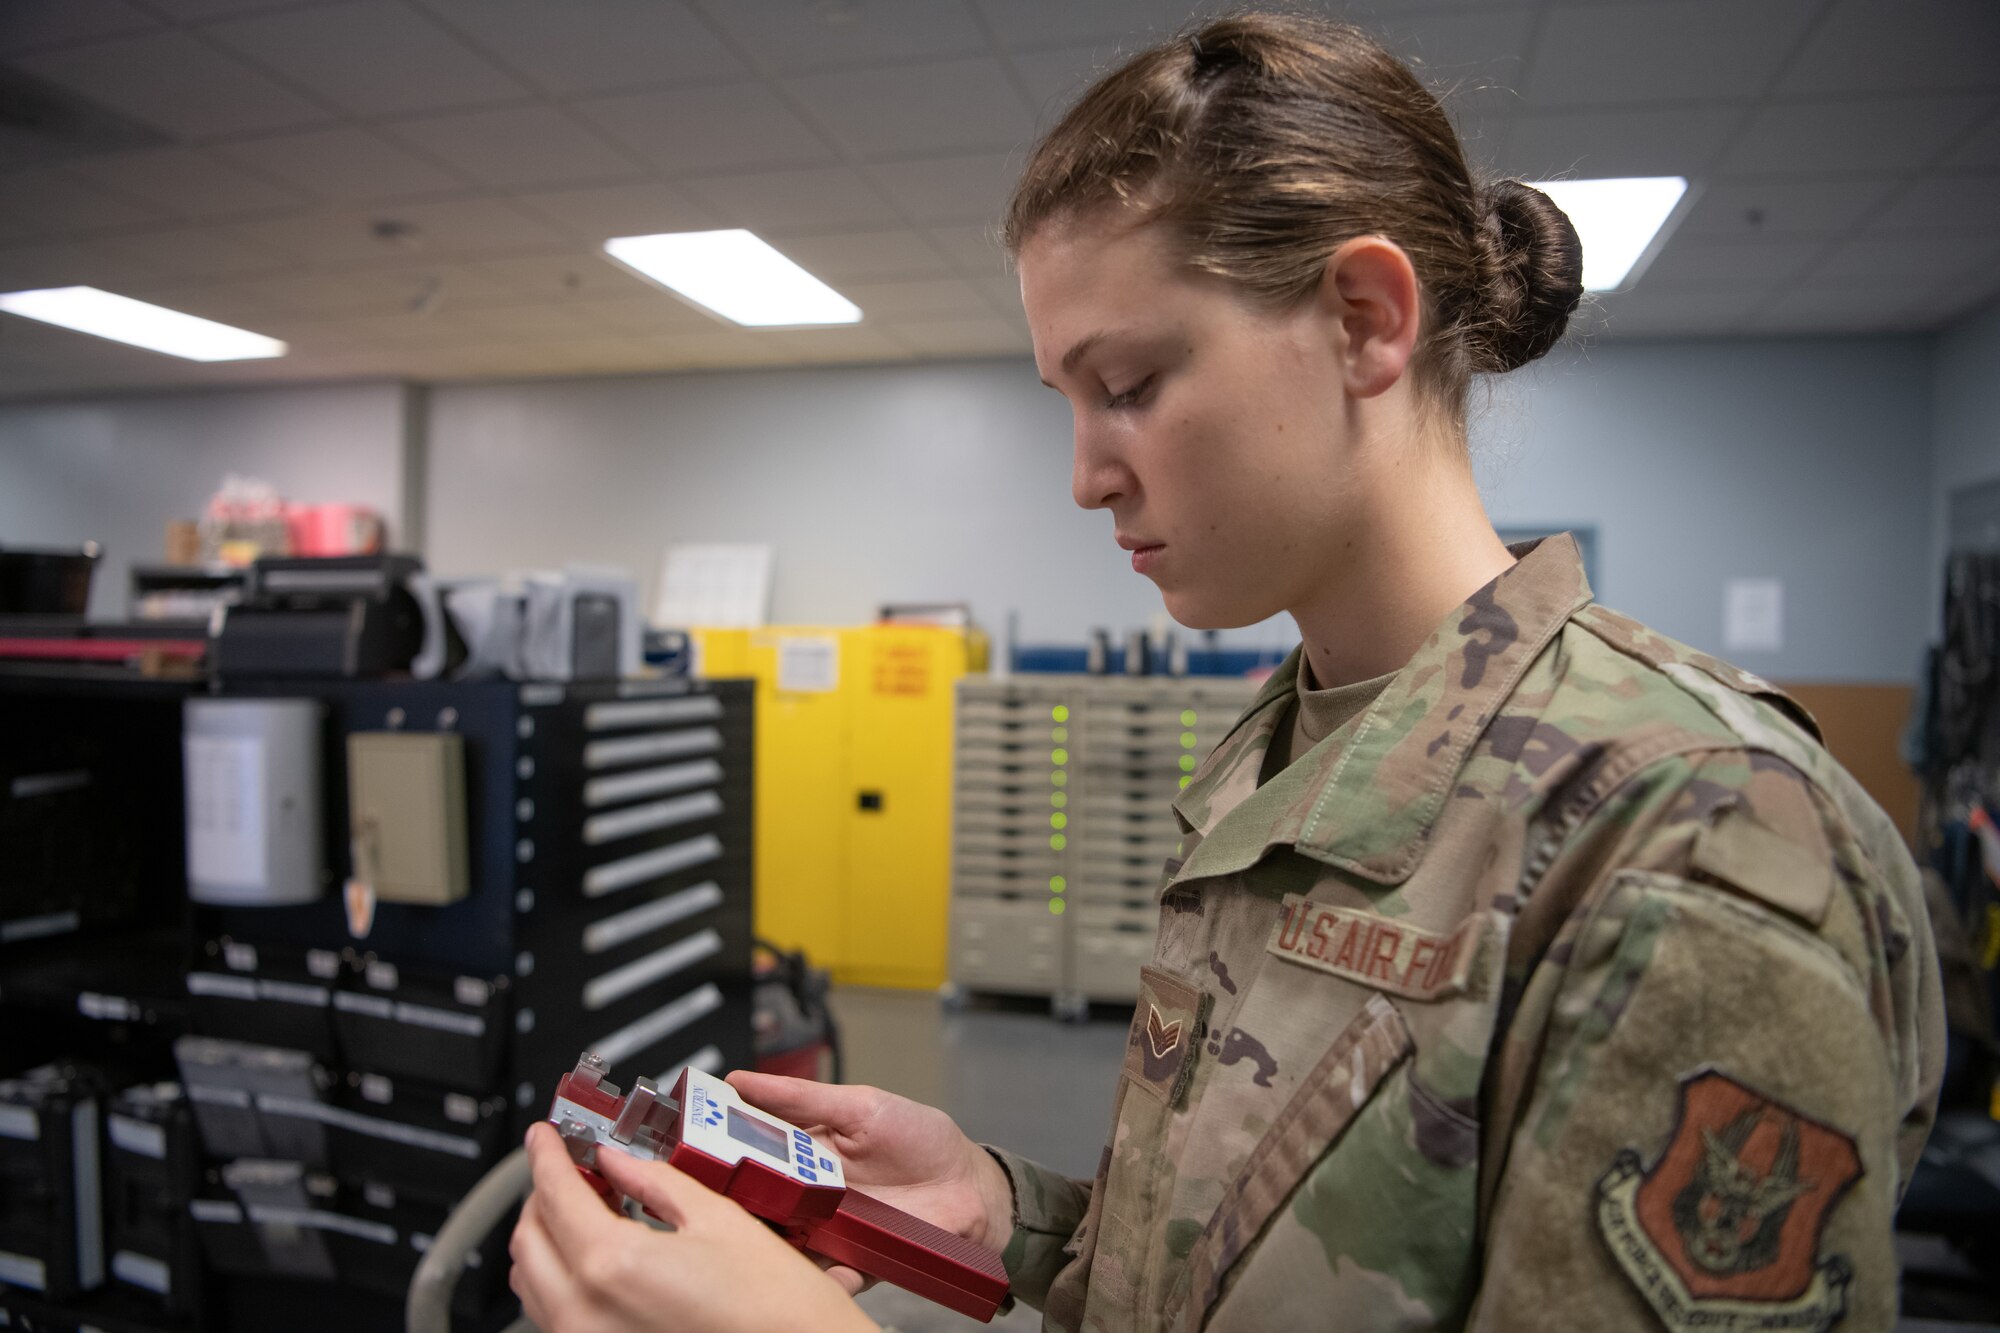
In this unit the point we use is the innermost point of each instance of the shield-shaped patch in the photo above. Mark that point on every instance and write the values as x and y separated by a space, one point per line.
1723 1230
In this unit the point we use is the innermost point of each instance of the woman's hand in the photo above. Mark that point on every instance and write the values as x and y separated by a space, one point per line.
908 1155
581 1268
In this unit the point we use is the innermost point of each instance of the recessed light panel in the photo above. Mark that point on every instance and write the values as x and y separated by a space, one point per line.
1616 220
155 328
735 275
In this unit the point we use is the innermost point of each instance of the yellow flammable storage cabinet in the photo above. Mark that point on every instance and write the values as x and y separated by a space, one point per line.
853 790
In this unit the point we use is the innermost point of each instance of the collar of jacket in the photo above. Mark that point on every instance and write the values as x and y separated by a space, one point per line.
1365 797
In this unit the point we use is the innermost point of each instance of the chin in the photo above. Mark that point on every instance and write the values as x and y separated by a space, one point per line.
1210 610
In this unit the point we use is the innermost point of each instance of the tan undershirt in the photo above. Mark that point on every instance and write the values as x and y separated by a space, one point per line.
1314 714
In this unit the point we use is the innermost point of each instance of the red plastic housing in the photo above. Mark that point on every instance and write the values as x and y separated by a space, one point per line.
839 1223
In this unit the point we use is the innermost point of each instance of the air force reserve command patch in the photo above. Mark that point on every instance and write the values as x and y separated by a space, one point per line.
1722 1232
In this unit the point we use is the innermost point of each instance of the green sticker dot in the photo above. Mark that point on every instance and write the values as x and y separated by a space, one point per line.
1059 735
1059 713
1187 740
1059 756
1057 883
1187 763
1058 799
1055 906
1184 781
1059 777
1058 820
1187 717
1057 842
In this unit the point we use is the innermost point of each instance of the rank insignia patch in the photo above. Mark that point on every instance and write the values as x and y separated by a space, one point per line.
1723 1231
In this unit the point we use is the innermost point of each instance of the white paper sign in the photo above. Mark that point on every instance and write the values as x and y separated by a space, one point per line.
1753 616
808 663
714 587
225 810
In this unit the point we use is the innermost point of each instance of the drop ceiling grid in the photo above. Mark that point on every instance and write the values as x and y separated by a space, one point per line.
898 133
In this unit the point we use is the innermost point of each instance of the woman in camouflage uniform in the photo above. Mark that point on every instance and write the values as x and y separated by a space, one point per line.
1521 968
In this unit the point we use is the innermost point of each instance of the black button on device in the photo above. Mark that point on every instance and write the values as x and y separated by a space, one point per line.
871 800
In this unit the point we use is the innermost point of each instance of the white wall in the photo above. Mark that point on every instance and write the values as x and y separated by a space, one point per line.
1807 460
117 470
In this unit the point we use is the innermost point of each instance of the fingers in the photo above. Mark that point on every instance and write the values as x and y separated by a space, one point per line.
538 1276
670 1195
841 1107
572 1215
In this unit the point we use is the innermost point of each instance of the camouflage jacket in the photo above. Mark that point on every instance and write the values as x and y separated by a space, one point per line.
1572 985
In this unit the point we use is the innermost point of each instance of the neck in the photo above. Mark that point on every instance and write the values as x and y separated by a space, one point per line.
1423 545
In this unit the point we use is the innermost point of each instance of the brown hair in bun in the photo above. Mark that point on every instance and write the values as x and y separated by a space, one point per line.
1264 141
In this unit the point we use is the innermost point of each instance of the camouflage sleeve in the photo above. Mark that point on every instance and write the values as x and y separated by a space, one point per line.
1731 1056
1048 1208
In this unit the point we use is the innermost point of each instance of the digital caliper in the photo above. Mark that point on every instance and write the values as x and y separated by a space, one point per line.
777 1172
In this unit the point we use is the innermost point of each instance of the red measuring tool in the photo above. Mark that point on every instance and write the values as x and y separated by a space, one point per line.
776 1171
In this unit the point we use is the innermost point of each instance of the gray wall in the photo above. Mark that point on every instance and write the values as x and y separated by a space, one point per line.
1967 411
116 471
1804 460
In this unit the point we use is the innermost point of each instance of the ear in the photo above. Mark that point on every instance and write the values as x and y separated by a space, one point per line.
1368 296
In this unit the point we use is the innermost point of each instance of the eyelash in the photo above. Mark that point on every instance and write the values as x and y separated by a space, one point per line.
1130 396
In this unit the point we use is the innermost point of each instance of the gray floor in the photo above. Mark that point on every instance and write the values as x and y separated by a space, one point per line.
1015 1076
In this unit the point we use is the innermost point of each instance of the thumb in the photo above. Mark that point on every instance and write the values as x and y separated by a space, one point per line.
840 1107
666 1192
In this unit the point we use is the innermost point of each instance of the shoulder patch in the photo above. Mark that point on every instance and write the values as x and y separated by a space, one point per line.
1741 853
1723 1230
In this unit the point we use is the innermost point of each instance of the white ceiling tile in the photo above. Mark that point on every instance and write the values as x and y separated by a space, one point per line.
1665 313
1662 141
986 336
53 202
774 202
71 264
1696 265
516 146
716 127
967 105
1873 135
1042 23
188 183
382 291
596 214
581 46
1863 309
1943 204
351 164
1483 46
1899 46
649 312
851 343
864 255
922 298
175 83
975 248
1057 77
793 37
952 189
28 24
1935 260
721 349
446 228
571 279
374 57
1002 294
1979 150
193 252
1665 50
1744 209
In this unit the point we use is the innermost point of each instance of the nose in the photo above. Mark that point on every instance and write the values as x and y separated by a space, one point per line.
1098 476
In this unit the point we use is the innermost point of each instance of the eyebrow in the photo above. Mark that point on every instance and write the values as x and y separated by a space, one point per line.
1080 350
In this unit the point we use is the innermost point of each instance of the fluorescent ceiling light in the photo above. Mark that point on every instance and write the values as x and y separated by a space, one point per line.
735 275
1616 219
155 328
